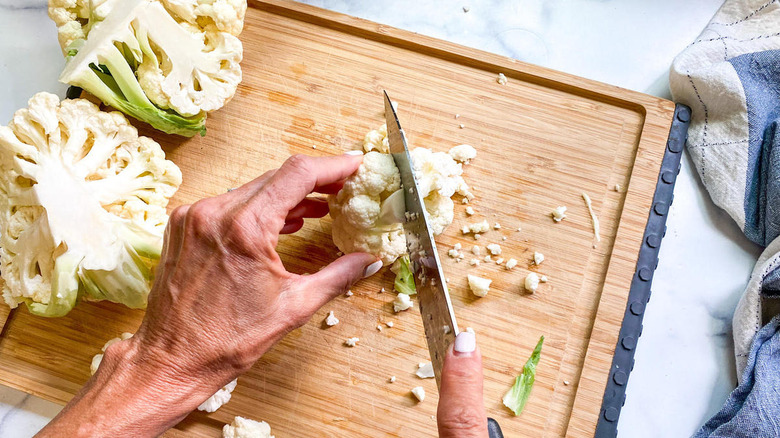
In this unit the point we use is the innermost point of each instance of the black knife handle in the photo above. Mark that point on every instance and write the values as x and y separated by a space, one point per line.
494 430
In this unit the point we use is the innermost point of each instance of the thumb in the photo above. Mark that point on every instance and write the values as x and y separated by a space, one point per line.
461 412
336 278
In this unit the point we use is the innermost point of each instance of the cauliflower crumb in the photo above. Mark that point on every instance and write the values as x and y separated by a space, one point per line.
461 126
349 293
453 253
488 258
331 320
538 258
382 290
351 342
379 327
511 263
402 302
496 226
618 188
543 279
389 324
474 262
519 228
594 219
477 237
419 393
463 153
494 248
457 246
503 238
499 260
469 211
479 286
464 201
501 79
425 370
559 214
245 428
531 282
391 379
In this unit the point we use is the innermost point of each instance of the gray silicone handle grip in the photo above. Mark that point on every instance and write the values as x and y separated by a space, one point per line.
494 430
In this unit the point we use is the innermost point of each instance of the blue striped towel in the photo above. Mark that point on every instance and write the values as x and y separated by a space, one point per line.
730 77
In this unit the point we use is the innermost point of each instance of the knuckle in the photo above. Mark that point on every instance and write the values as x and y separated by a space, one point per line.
461 419
298 163
202 218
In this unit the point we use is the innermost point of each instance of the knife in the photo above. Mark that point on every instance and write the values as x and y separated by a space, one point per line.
438 317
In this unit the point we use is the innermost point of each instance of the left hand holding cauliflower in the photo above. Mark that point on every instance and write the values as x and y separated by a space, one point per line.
82 206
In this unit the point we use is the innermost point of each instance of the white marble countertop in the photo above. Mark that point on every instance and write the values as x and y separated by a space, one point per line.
684 363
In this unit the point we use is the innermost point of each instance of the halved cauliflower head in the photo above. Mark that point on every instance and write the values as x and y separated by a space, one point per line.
359 210
165 62
82 206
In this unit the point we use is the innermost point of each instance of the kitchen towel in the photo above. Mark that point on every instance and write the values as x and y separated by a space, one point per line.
730 77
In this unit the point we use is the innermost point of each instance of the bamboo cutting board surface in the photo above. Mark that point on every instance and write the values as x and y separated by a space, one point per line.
314 78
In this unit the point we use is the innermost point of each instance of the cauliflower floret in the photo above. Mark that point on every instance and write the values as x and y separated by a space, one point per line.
402 302
245 428
356 209
82 199
531 282
227 15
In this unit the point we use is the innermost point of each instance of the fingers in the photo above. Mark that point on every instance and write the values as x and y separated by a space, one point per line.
308 208
291 226
301 175
336 278
461 412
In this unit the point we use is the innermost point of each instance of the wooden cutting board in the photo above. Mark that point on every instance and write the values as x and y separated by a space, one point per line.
314 78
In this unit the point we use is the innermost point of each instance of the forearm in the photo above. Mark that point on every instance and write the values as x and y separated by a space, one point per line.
131 395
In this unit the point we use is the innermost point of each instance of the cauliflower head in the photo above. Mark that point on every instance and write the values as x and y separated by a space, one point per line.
165 62
245 428
357 210
82 206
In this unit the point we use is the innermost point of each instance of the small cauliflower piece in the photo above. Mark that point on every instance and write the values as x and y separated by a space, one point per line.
98 358
419 393
531 282
494 248
496 226
474 262
331 320
389 324
402 302
479 286
559 214
351 342
478 227
511 263
463 153
499 260
543 279
470 211
475 250
538 258
501 79
425 370
391 379
245 428
219 398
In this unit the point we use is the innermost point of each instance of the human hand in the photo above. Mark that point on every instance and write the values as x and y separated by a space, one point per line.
221 299
461 412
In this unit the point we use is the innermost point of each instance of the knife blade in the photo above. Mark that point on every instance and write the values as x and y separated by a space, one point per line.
433 296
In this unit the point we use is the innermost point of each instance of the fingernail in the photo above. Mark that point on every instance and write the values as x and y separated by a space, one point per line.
372 269
465 343
353 153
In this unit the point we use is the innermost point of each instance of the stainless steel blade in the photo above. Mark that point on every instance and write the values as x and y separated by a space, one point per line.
433 296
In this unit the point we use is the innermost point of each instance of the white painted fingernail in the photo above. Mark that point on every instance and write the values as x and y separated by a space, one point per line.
465 342
372 269
353 153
